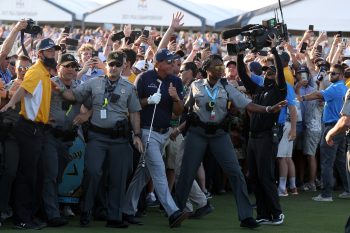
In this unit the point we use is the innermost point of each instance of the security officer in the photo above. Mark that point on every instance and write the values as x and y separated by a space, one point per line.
208 101
263 140
158 89
35 96
112 99
60 137
9 148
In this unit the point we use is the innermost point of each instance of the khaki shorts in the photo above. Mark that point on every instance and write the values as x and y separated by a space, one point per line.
285 147
172 150
311 140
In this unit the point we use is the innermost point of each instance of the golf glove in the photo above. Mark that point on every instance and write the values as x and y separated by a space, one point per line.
154 99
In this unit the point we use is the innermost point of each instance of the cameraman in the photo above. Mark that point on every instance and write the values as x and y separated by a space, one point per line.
262 145
30 131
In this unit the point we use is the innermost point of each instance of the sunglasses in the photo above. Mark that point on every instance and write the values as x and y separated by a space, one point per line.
332 73
116 64
71 66
23 68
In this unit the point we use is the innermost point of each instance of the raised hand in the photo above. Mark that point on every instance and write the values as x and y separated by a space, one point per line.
176 21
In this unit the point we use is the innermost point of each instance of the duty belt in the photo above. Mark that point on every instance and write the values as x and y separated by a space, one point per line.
113 133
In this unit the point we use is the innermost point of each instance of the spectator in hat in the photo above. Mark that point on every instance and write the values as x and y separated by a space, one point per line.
30 131
308 140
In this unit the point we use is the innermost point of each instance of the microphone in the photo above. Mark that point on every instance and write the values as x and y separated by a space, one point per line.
236 31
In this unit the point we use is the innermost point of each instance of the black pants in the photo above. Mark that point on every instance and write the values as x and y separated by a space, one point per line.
10 155
261 160
30 138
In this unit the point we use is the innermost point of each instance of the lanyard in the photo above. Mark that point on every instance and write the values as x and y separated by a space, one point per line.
212 97
105 103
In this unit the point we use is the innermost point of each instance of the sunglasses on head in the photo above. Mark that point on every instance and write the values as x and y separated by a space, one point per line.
116 64
219 67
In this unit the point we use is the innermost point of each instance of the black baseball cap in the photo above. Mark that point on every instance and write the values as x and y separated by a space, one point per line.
66 59
47 43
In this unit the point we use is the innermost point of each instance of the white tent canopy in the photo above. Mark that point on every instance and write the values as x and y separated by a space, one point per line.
323 14
39 10
150 12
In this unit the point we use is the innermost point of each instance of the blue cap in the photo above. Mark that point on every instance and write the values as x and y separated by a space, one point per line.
164 54
47 43
255 67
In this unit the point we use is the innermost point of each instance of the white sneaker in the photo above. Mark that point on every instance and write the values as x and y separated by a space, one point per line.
282 193
320 198
67 212
344 195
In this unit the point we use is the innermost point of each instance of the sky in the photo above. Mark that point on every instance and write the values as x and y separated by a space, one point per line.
245 5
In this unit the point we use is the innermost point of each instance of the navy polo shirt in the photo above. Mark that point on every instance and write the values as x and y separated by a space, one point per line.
146 85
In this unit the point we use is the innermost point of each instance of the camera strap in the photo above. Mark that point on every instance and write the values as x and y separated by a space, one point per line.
25 52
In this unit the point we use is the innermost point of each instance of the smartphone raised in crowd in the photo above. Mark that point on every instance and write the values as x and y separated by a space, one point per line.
263 53
94 54
311 27
72 42
344 41
146 31
303 47
117 36
173 38
66 30
319 48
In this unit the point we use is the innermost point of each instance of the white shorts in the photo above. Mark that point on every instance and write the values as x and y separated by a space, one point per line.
285 147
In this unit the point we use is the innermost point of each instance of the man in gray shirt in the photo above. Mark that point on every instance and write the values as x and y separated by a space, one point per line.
113 98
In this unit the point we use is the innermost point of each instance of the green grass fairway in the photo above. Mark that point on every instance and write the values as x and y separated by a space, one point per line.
302 216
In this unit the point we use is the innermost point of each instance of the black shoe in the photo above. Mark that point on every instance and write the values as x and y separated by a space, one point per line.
85 218
132 219
27 226
203 211
57 222
176 218
116 224
249 223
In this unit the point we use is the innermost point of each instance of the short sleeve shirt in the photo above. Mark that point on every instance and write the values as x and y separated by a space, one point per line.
198 99
125 100
35 105
333 96
290 102
63 112
345 111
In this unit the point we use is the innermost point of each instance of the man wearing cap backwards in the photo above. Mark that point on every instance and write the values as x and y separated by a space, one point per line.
333 154
158 87
60 137
113 98
35 96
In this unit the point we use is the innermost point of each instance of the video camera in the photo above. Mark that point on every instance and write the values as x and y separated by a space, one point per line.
32 28
256 35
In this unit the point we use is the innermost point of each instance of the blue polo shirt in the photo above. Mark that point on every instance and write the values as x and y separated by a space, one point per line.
259 80
334 97
94 73
291 102
146 85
